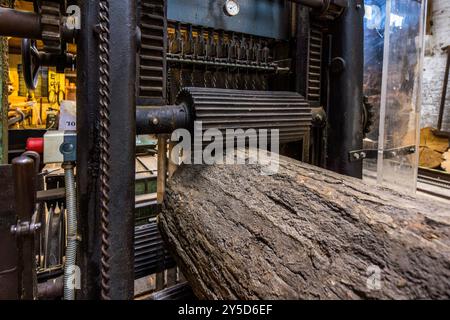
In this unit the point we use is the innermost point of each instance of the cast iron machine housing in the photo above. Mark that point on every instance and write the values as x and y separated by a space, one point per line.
152 66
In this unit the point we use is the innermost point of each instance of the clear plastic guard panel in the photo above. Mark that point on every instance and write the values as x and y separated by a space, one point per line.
394 40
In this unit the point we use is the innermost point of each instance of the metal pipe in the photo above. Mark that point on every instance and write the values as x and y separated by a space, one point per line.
20 24
51 289
21 116
165 119
12 121
71 249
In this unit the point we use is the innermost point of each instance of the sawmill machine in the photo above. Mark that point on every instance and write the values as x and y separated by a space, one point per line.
153 66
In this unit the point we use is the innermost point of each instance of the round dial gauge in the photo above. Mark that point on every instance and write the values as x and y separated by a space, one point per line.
231 8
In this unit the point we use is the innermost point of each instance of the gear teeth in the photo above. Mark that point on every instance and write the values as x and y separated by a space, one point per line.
51 26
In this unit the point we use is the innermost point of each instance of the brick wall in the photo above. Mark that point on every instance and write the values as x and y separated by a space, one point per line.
434 65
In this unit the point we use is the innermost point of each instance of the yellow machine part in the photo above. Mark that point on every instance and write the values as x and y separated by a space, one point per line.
38 106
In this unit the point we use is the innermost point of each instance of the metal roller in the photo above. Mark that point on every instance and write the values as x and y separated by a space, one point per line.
223 109
241 109
150 255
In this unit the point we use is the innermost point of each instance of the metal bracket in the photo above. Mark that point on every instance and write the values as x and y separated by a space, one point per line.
387 154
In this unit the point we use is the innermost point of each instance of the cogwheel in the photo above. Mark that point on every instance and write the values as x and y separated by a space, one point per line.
51 26
331 10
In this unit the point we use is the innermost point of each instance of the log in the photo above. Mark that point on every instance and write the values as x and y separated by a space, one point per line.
429 158
431 148
446 163
303 233
429 139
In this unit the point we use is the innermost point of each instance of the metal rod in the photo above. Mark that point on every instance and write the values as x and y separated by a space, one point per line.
171 167
21 24
162 167
161 189
217 63
444 90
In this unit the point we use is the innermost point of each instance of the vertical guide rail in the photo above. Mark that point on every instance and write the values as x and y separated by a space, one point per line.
88 152
345 131
99 87
383 104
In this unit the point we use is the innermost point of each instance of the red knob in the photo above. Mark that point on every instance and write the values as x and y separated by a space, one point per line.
36 145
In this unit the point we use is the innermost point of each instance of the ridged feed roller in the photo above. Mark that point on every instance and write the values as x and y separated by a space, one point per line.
223 109
241 109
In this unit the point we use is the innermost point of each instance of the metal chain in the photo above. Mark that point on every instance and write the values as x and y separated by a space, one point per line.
253 82
192 77
180 82
227 78
170 76
214 79
105 99
257 81
246 76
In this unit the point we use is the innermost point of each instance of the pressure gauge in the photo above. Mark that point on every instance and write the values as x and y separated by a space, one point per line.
231 8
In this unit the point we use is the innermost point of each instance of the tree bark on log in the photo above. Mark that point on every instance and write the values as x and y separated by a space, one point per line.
303 233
